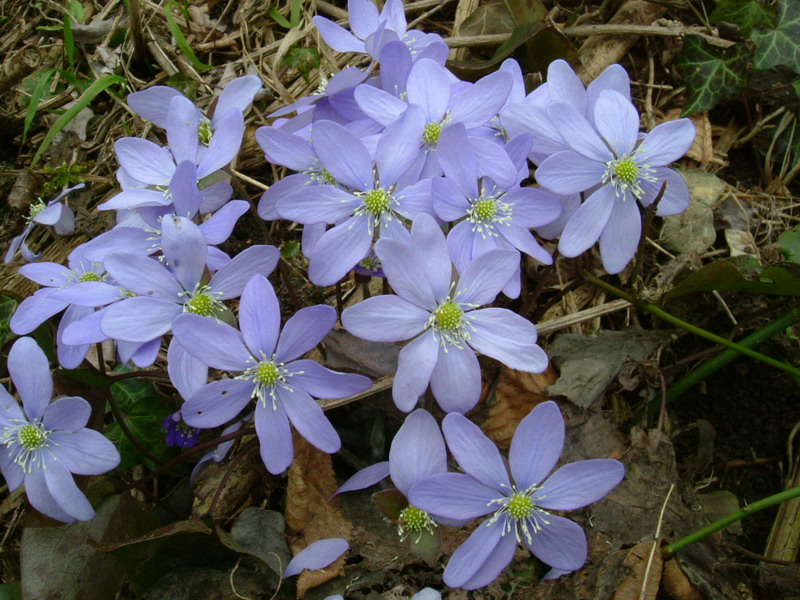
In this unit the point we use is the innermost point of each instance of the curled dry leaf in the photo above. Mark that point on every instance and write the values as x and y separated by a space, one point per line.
517 394
309 514
238 475
702 149
643 581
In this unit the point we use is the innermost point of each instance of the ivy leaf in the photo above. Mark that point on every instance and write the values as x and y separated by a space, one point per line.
747 14
710 72
780 45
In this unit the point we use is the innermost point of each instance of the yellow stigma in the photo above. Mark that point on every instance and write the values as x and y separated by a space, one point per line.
627 171
31 437
204 130
36 208
266 373
448 316
414 519
89 276
431 133
202 304
485 210
520 506
377 201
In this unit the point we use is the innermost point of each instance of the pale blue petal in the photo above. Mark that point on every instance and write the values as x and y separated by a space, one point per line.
584 228
416 362
308 419
456 379
469 557
536 445
230 280
475 453
385 318
30 372
507 337
215 344
486 275
217 403
578 484
319 382
560 543
316 556
417 451
366 477
275 436
304 330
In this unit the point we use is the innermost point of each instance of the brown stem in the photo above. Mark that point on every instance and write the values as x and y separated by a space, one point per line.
647 219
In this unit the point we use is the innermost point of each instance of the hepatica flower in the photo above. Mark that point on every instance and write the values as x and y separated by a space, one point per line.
626 167
267 370
441 319
43 443
519 508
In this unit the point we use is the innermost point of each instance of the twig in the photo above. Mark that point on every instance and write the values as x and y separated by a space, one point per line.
643 591
647 219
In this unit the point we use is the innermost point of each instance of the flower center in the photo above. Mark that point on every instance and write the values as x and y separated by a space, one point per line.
35 209
626 174
489 210
448 316
89 276
377 201
202 301
25 443
31 437
204 131
431 133
266 373
520 513
414 520
485 209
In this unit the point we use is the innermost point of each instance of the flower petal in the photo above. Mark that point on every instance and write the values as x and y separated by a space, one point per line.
226 350
217 403
378 105
286 149
217 228
304 330
143 276
61 485
560 543
676 196
237 95
475 453
338 250
469 557
317 204
275 437
417 451
536 445
667 142
366 477
499 559
486 275
584 228
428 86
224 144
352 168
568 172
415 364
46 273
319 382
33 311
230 280
578 484
68 414
85 452
317 555
183 120
259 316
42 499
453 496
385 318
457 159
152 104
481 101
456 379
337 37
578 132
138 319
563 85
507 337
399 145
144 160
187 373
185 250
617 121
309 419
403 272
621 236
30 372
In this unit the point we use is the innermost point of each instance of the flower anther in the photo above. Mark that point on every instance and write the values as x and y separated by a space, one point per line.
626 174
414 520
520 514
89 276
377 201
431 133
202 302
488 211
25 443
448 316
204 131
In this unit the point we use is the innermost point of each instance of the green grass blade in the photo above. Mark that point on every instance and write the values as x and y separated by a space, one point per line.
179 37
38 91
86 98
279 18
69 41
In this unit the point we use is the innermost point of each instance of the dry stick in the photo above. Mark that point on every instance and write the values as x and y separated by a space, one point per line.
139 46
228 472
189 453
537 290
643 591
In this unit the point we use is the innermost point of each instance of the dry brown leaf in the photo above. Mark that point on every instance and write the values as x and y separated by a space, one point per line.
517 394
309 514
676 584
702 149
239 475
643 581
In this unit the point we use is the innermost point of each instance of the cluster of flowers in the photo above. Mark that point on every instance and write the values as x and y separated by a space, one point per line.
384 158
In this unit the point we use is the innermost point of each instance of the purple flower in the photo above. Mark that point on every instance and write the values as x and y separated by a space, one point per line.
494 215
376 203
178 432
441 318
416 453
369 266
520 507
627 167
371 30
265 360
163 292
54 213
317 555
44 442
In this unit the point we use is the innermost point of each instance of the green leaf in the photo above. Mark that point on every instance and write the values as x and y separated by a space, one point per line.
75 9
780 45
179 37
710 72
523 33
724 276
11 591
789 242
69 41
304 60
41 87
85 100
747 14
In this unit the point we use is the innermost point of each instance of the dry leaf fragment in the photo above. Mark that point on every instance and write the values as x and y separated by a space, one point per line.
309 514
643 581
517 394
676 584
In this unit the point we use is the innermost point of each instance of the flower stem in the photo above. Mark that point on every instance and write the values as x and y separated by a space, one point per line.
675 321
722 523
647 219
